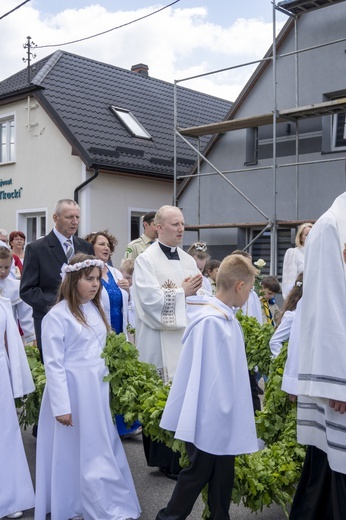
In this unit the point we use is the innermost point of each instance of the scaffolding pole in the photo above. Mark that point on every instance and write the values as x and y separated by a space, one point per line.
272 223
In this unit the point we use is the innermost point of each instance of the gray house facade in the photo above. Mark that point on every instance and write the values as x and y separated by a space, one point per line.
289 168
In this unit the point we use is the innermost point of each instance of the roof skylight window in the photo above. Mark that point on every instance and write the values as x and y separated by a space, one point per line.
130 122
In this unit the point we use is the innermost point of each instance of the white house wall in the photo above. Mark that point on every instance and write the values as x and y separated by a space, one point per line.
44 167
46 171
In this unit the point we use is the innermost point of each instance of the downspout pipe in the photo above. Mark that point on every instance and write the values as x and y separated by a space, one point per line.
81 186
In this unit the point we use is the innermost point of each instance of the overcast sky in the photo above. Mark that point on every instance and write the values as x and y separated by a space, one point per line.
188 38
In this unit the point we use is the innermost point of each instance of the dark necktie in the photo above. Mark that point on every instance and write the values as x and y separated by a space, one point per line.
69 249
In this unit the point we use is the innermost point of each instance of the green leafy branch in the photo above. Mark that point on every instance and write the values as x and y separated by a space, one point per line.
29 406
137 392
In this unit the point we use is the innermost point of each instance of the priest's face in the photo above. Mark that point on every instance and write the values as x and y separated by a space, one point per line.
171 230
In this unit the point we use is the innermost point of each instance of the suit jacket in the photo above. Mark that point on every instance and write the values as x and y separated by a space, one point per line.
41 271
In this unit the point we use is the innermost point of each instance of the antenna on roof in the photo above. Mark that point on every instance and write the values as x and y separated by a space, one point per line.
30 45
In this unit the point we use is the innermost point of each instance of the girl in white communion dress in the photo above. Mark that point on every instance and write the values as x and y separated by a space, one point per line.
81 470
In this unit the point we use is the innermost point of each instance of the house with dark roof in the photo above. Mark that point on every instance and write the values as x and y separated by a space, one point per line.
282 149
73 127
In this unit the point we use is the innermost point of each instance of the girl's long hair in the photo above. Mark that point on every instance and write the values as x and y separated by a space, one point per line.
68 290
293 297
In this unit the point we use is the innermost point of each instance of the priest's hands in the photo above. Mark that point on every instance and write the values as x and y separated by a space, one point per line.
192 284
338 406
66 419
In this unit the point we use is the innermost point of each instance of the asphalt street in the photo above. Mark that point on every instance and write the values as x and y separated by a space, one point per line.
153 488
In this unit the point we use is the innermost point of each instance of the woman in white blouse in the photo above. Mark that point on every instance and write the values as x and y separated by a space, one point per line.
294 259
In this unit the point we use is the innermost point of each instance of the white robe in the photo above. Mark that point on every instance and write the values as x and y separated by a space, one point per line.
22 312
322 352
292 266
290 375
206 287
210 402
282 333
81 469
16 489
131 310
252 307
160 306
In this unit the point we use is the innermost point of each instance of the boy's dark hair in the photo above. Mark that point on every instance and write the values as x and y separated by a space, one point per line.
271 283
212 264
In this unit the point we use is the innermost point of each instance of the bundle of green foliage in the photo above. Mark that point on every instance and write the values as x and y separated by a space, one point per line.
271 475
29 406
137 392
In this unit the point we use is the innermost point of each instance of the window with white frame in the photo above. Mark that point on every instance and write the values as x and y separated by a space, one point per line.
7 141
130 122
339 131
33 223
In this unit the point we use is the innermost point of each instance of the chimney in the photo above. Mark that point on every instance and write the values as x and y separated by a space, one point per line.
140 68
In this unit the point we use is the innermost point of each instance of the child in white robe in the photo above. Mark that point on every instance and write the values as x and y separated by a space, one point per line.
211 269
81 469
16 489
284 323
209 405
9 288
198 251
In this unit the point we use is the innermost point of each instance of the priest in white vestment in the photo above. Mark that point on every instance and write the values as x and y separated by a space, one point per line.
322 370
164 275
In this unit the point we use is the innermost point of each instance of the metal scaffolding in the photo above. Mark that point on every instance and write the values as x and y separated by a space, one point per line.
293 9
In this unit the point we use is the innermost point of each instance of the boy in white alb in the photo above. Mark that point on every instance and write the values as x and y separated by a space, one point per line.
209 405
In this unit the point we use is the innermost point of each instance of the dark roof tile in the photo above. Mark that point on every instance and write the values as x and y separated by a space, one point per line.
78 92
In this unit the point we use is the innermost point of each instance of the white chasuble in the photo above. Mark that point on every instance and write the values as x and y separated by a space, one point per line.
322 347
160 306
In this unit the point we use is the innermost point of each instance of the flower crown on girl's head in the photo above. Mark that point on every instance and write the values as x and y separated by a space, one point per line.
299 284
200 246
71 268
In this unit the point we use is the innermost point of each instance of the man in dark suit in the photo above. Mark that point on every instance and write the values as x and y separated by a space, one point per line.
44 258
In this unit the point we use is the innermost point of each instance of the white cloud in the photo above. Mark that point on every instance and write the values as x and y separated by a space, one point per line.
175 43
